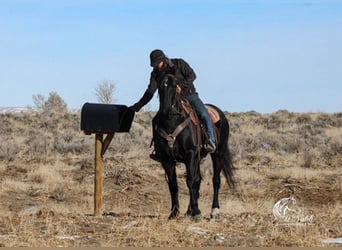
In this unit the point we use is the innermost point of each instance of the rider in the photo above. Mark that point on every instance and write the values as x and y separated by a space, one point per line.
162 65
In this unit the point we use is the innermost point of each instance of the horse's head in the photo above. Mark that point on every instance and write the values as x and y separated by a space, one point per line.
169 98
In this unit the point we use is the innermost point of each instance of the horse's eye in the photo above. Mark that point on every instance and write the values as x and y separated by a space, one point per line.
165 84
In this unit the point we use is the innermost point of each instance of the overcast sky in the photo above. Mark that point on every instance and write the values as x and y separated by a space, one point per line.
248 55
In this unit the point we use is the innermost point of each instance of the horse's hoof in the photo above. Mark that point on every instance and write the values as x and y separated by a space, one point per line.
197 217
215 214
174 214
195 214
171 217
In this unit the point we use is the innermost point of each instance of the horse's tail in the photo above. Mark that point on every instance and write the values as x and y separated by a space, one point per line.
228 168
225 154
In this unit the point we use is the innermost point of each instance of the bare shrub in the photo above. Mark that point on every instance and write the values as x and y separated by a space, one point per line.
338 119
273 122
39 101
6 121
324 120
309 130
8 149
331 152
307 159
335 146
64 143
54 104
104 92
303 118
37 144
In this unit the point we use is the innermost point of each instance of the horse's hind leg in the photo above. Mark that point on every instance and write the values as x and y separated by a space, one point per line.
215 209
170 170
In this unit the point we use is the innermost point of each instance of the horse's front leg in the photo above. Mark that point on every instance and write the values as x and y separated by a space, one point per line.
170 170
193 181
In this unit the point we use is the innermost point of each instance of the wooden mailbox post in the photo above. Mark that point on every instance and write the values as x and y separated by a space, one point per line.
100 119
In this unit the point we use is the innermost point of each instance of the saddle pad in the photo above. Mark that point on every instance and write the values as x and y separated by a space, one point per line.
214 114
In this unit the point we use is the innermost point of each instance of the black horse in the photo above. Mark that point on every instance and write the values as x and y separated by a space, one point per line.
176 140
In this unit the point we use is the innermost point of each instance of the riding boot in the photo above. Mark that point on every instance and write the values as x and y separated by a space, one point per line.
210 147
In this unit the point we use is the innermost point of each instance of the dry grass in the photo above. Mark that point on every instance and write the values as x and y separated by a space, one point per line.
47 181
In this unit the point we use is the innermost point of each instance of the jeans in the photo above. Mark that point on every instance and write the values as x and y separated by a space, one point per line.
202 113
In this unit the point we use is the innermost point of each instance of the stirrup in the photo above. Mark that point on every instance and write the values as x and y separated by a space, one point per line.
154 156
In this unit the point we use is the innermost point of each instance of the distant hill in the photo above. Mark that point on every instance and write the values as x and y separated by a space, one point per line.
15 109
4 110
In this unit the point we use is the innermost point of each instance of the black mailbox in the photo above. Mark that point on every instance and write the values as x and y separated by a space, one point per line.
105 118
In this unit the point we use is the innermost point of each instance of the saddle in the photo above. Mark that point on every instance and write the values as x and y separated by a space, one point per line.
214 115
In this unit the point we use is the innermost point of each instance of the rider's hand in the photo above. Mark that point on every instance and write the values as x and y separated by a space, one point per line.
178 89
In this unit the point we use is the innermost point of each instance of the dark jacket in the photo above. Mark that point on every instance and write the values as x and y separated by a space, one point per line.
177 67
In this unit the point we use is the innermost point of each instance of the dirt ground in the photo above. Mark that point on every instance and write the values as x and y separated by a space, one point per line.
48 201
136 204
